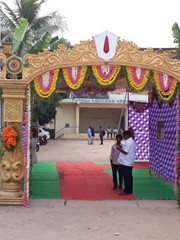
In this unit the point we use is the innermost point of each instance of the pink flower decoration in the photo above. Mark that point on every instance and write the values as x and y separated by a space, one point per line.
138 74
105 72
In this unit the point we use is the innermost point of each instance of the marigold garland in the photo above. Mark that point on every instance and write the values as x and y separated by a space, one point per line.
9 137
45 84
74 76
106 75
166 86
137 78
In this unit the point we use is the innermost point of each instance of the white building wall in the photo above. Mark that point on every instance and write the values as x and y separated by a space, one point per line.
82 115
66 114
96 117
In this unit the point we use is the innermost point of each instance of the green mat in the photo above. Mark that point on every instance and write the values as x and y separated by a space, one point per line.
107 162
147 187
45 181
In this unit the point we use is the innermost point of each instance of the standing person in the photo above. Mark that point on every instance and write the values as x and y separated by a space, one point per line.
109 132
126 160
101 134
34 140
115 131
92 135
115 164
89 135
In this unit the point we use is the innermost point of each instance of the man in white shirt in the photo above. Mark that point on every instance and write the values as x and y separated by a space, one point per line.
126 161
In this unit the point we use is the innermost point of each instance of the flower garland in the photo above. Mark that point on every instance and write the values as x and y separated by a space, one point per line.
178 154
177 149
10 137
26 148
74 76
45 84
106 75
166 86
137 78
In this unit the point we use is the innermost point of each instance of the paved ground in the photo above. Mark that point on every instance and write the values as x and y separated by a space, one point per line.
75 151
88 220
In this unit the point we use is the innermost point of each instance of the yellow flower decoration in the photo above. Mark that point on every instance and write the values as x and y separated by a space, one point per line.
74 76
138 78
45 88
106 75
166 86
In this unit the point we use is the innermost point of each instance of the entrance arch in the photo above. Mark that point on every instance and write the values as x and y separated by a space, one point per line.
15 92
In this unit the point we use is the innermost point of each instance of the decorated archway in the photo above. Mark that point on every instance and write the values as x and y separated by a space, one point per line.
105 55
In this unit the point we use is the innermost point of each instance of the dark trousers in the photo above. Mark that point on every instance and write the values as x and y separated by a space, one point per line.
116 175
101 139
127 177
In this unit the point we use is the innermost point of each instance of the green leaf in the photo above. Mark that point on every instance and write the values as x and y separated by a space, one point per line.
26 44
43 43
19 33
176 35
55 42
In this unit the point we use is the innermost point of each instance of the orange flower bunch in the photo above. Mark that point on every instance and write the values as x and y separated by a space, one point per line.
9 137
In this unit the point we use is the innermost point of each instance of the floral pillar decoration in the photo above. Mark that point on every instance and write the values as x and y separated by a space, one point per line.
26 147
178 156
12 167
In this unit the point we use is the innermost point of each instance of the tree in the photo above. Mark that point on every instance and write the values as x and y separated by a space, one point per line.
31 34
30 10
43 110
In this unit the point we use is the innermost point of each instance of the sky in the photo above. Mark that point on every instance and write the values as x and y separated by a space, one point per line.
147 23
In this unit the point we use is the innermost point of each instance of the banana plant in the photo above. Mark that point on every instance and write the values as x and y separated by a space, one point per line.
56 41
176 35
24 42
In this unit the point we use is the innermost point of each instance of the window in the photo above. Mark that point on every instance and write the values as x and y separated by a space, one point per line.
160 130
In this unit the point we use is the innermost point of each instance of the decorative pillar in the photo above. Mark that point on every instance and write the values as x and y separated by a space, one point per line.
12 167
77 118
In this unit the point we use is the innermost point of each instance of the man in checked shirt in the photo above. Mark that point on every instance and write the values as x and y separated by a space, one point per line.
117 176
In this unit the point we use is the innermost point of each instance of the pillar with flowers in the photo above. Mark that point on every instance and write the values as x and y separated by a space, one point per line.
12 166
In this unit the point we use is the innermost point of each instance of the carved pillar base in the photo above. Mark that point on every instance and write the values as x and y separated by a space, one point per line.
11 190
11 201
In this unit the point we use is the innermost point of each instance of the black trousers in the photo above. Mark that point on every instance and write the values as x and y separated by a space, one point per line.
117 176
101 139
126 173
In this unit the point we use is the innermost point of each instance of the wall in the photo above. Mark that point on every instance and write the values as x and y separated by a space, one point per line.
163 152
89 114
99 117
66 113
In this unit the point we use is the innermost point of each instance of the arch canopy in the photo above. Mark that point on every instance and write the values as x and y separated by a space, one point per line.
102 64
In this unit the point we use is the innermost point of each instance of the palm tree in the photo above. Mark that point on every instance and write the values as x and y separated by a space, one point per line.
30 10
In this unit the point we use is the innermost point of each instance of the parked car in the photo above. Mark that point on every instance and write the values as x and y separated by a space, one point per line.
42 132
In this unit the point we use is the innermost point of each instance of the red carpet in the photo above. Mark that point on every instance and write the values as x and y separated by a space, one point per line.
86 181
